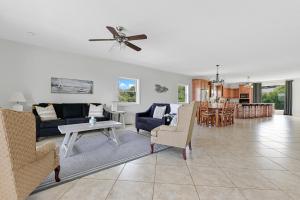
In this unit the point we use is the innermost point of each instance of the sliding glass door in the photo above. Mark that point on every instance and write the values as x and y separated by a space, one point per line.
274 93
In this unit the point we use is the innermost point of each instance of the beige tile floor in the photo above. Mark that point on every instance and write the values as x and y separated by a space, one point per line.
253 159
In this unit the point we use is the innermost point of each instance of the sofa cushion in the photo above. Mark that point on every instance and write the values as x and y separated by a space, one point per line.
59 110
77 120
73 110
99 119
52 123
149 120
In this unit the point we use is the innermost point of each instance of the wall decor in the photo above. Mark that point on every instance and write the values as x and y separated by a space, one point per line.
160 89
71 86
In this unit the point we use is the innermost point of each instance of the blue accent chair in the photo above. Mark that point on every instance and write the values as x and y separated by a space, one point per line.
145 120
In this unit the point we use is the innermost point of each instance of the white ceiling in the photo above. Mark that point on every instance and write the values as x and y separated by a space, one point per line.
260 38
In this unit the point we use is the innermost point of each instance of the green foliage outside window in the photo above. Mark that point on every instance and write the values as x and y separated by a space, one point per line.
128 95
127 90
181 93
275 96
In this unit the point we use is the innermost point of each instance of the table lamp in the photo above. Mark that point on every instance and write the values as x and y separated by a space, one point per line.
18 98
114 106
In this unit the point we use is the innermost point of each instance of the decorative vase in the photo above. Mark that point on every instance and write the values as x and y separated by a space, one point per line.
92 121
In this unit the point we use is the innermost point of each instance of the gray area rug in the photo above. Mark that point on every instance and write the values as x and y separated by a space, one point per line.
94 152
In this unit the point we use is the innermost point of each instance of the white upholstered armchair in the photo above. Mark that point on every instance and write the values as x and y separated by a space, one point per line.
180 135
23 165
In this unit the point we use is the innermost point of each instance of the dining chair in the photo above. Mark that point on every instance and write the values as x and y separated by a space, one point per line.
207 117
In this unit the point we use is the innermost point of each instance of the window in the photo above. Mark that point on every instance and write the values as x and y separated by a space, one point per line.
274 94
183 93
128 90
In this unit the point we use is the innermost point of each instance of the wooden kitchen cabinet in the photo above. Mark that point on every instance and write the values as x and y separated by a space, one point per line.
227 92
244 89
231 93
247 92
235 93
197 86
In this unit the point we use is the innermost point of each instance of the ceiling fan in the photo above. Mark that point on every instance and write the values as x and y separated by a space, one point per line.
121 38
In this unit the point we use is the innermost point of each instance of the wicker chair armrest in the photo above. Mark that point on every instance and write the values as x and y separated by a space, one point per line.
44 149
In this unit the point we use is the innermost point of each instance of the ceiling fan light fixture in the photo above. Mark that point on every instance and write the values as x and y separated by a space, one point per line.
120 28
121 37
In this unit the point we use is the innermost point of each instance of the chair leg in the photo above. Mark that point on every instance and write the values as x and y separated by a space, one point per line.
184 154
152 148
57 170
190 145
138 130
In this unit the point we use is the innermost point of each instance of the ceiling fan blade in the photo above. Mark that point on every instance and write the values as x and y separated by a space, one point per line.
113 31
92 40
132 46
137 37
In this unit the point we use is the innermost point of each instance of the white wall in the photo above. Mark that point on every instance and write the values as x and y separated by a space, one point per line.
28 69
296 97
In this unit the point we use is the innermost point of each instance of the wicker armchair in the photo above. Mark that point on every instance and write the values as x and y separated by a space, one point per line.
23 166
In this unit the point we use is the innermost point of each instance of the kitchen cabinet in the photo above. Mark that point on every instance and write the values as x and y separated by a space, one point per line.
200 89
231 93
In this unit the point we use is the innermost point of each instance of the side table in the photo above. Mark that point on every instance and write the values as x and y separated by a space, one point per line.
120 115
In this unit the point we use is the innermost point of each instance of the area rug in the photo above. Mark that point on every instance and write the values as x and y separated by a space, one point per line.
94 152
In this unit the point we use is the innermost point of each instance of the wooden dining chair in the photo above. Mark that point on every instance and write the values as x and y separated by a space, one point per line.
231 111
224 115
206 116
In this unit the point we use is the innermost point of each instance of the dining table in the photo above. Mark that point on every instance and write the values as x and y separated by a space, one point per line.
216 109
213 108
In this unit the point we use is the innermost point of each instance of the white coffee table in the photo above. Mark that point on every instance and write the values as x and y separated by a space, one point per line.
71 132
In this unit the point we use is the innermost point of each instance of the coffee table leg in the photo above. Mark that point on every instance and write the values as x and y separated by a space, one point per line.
115 137
66 139
70 144
106 132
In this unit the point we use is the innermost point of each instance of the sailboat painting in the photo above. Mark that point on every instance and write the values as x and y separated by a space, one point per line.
71 86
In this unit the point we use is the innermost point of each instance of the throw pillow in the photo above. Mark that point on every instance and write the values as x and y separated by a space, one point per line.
46 113
96 111
159 112
174 108
174 121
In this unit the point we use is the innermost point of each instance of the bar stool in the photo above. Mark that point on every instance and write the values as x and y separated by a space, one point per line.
239 112
246 111
265 111
252 110
256 110
270 110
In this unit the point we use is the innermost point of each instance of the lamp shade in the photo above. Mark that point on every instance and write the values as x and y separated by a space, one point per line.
114 106
17 97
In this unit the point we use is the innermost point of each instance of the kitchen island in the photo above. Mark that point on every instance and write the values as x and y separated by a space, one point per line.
254 110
